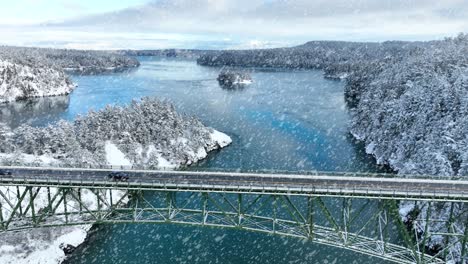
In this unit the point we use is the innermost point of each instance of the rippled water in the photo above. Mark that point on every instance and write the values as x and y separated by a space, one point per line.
286 120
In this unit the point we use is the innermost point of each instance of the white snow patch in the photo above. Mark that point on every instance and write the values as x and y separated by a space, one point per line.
114 156
54 254
244 81
405 209
164 163
201 154
370 148
43 160
220 138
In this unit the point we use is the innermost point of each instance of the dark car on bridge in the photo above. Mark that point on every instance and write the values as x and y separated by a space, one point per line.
5 173
118 176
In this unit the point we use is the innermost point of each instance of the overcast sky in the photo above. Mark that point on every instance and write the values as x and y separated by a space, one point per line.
111 24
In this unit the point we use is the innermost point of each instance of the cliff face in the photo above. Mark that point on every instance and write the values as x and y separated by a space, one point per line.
21 81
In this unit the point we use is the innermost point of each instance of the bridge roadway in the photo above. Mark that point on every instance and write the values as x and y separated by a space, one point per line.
361 185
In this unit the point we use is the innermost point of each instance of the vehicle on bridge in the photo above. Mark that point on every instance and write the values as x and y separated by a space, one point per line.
5 173
118 176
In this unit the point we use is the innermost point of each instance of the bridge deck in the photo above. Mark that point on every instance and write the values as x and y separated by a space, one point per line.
360 185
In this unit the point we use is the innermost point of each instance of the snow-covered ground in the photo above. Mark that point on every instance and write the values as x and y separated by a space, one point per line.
114 156
243 81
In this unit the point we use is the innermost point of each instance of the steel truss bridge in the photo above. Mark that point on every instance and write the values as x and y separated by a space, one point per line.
352 211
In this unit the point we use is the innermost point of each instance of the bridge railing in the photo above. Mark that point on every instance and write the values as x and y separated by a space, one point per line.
256 171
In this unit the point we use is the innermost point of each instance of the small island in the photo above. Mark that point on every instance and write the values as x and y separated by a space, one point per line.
232 79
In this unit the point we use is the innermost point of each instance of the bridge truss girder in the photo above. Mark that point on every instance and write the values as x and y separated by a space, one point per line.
368 226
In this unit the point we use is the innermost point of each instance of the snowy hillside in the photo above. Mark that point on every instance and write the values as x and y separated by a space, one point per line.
20 82
413 115
419 108
33 72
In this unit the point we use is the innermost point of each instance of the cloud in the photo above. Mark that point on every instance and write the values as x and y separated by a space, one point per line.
288 18
259 23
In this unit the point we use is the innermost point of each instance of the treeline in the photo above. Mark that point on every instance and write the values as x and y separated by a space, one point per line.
412 113
332 56
170 53
80 61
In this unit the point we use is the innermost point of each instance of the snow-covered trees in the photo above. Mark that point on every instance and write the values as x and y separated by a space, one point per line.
148 133
79 61
231 78
21 81
412 114
335 57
